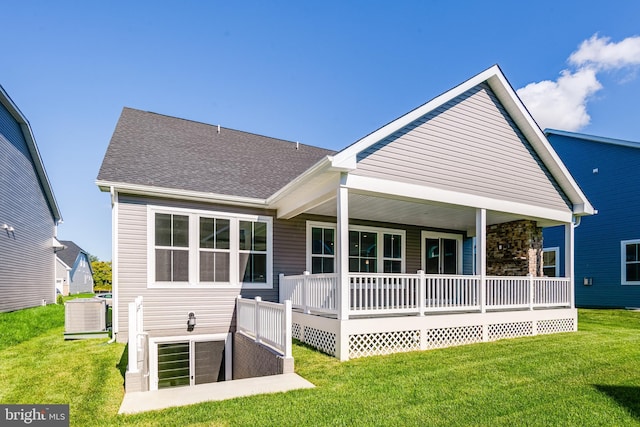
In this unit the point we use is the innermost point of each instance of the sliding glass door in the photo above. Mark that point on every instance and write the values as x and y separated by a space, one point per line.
442 253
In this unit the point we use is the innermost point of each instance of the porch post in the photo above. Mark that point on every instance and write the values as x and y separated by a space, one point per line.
342 257
568 261
481 255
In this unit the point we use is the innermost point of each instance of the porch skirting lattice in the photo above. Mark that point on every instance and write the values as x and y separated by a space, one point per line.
356 338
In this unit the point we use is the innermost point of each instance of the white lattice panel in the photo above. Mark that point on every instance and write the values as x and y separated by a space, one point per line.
363 345
322 340
510 330
555 325
296 329
449 337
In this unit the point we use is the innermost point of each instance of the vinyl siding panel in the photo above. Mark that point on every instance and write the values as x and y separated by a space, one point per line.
166 309
27 266
613 191
470 145
81 278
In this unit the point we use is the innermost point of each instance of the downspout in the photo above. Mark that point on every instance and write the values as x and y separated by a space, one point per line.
577 221
114 263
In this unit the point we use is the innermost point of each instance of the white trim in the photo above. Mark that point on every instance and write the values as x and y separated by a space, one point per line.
555 249
309 243
194 249
494 77
153 353
623 262
418 192
380 231
172 193
438 235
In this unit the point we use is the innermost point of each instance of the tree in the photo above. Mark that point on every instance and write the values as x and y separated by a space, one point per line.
101 275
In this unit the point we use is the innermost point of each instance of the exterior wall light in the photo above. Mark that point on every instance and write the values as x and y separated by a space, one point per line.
191 322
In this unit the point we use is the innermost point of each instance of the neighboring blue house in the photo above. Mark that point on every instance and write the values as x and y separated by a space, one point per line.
607 245
74 274
29 215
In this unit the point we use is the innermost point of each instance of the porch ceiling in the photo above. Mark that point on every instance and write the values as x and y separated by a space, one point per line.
423 213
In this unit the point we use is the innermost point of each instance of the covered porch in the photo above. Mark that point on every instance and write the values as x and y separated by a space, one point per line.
369 302
428 231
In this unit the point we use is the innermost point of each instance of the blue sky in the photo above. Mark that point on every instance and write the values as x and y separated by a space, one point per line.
321 73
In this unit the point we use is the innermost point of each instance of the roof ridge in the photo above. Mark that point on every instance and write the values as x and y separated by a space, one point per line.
227 128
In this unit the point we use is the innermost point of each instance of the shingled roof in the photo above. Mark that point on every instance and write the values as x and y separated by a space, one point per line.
151 149
70 252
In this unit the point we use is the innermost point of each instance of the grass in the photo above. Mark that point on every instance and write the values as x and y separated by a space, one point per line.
588 378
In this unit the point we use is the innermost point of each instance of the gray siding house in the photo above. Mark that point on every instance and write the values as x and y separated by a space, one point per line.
29 215
425 233
74 268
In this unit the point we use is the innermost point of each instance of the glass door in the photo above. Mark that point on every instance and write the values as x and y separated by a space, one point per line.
441 254
190 363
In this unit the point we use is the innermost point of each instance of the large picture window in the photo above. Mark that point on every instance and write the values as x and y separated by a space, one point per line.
202 248
630 262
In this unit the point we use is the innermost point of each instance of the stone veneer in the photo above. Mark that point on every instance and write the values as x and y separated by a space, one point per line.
514 249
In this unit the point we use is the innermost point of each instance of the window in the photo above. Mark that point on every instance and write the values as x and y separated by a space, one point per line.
323 250
392 253
184 361
371 249
214 250
630 262
550 265
202 248
172 247
253 251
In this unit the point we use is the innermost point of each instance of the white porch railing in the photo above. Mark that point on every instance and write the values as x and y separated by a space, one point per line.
267 322
384 294
311 293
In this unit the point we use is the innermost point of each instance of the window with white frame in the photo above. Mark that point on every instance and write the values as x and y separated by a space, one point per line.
253 251
215 249
171 247
550 265
371 249
630 262
203 248
323 240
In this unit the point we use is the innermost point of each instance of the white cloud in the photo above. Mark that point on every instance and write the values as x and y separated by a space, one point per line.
562 104
604 55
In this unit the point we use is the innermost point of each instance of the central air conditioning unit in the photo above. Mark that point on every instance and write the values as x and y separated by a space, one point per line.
85 318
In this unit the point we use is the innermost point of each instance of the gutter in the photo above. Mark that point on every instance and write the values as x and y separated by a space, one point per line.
172 193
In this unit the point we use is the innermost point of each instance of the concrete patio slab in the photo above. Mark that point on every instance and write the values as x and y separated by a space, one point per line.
136 402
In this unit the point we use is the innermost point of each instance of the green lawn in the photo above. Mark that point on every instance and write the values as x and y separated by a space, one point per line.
588 378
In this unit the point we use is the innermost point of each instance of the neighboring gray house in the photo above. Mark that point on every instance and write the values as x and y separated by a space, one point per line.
74 274
29 215
384 230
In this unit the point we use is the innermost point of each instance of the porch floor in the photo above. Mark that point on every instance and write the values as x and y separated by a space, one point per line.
180 396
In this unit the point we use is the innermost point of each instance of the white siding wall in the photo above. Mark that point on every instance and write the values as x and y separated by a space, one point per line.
469 145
